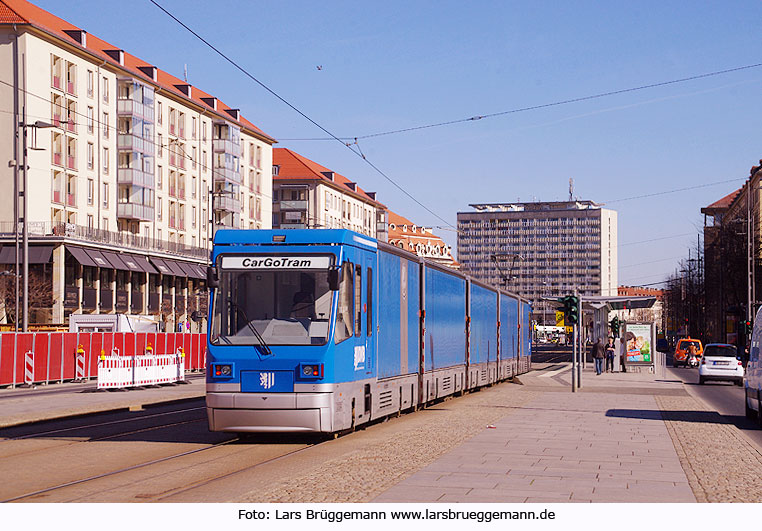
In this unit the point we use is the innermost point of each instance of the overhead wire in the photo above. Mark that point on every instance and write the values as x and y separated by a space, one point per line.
548 105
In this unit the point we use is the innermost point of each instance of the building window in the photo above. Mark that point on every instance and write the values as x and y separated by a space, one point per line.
193 186
105 161
71 78
193 159
160 145
158 208
90 156
56 72
90 81
203 129
193 130
105 195
203 160
104 125
159 177
90 222
90 119
193 217
105 89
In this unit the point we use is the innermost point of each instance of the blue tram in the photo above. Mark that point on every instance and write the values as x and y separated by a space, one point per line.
324 330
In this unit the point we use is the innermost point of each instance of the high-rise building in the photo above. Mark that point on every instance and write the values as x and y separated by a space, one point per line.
130 169
541 249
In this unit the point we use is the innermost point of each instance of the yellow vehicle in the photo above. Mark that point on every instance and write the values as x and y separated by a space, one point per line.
682 349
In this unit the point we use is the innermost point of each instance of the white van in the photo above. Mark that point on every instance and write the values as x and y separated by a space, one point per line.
753 381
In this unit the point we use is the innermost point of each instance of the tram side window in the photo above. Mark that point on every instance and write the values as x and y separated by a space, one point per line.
344 315
358 301
370 302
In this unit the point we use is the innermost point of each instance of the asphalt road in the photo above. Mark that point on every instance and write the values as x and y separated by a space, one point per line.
723 397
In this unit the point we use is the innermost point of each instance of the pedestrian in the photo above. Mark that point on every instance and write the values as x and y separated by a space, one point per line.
610 355
598 354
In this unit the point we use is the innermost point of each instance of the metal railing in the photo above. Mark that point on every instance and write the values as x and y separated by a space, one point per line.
125 240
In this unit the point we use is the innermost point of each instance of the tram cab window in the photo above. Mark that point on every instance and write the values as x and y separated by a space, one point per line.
370 302
345 309
286 307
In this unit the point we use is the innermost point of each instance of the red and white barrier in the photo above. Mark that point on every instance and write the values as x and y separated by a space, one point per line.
73 356
116 371
29 367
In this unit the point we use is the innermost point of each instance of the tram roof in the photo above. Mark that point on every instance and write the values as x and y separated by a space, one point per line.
292 237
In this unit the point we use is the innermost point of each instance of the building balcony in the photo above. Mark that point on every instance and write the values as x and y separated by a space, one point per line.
220 145
58 197
134 211
130 142
71 200
227 203
57 159
71 162
71 126
226 174
293 205
57 82
131 108
135 177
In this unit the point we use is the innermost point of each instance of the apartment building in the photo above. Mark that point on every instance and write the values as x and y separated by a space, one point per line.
541 249
308 195
420 240
130 170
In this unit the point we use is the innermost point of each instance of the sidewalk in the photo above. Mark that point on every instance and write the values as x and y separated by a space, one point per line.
48 402
607 443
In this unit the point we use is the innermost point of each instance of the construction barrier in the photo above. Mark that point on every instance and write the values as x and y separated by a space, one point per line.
116 372
48 357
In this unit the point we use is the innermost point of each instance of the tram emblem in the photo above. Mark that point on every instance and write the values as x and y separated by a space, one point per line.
267 379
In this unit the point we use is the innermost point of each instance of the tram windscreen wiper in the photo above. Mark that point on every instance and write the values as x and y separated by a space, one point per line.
262 342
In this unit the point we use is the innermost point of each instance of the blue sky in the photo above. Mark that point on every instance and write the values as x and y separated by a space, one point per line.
390 65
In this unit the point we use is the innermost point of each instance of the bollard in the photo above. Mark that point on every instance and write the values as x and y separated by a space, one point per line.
179 355
29 369
80 364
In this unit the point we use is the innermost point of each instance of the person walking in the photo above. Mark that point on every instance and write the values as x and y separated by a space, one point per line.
598 354
610 355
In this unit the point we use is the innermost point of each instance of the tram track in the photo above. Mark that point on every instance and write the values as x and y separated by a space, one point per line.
116 472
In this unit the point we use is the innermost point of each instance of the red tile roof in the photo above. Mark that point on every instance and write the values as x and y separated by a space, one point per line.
721 204
9 16
293 166
23 12
409 239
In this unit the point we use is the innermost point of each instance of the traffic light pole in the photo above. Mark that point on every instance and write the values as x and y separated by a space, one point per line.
574 360
580 327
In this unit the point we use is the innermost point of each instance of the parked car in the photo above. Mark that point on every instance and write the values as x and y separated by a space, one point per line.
721 362
681 351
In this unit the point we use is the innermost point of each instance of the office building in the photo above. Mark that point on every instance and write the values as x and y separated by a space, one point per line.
541 249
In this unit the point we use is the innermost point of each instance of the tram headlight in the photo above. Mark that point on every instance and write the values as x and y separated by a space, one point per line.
311 370
223 370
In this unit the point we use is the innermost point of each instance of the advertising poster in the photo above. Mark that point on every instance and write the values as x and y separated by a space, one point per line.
638 342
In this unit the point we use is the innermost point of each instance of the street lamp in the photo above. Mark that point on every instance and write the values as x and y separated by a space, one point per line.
22 191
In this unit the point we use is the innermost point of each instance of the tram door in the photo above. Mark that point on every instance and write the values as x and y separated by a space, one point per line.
370 329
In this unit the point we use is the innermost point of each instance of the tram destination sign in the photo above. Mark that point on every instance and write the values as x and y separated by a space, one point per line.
276 262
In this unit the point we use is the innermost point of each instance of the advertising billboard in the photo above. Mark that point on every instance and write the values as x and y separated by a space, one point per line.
638 343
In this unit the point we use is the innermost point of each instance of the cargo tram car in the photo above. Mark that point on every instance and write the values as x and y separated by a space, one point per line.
325 330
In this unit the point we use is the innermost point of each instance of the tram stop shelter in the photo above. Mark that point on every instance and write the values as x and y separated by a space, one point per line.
602 305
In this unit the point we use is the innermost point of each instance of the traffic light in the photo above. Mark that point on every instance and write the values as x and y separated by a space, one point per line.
570 308
747 327
614 325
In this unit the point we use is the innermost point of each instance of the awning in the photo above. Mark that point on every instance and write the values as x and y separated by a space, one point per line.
81 256
99 259
38 254
144 264
190 269
132 263
176 268
161 266
115 261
